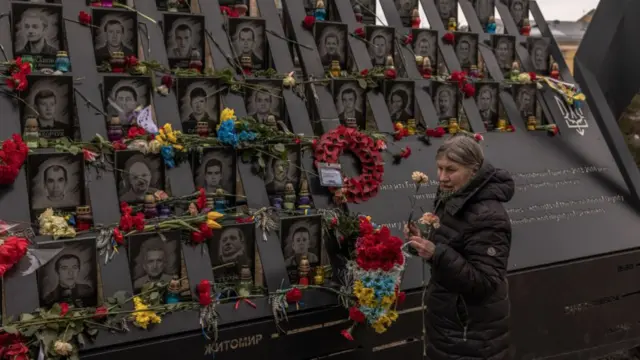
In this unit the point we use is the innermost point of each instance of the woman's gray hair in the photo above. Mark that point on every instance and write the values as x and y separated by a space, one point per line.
463 150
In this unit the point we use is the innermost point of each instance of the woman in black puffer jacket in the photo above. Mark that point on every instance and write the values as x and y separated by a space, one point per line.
468 296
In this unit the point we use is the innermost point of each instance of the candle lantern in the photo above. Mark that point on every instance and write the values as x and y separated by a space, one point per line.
62 62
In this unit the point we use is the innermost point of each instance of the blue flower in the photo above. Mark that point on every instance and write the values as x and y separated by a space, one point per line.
246 135
227 133
167 156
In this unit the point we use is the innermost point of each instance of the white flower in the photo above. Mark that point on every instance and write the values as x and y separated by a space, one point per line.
419 177
63 348
163 90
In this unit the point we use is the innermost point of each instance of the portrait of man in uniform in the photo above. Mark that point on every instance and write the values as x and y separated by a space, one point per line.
153 259
140 174
71 276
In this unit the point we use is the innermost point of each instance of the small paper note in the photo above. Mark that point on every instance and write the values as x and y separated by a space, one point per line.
330 175
145 121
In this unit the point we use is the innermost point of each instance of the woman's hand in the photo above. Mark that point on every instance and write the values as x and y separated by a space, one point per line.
425 248
411 230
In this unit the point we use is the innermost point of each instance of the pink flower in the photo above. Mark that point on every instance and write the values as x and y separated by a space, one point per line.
89 155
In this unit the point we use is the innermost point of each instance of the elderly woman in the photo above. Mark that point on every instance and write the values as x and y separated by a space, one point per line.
468 297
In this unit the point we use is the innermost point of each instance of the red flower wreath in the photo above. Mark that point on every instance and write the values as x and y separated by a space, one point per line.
332 144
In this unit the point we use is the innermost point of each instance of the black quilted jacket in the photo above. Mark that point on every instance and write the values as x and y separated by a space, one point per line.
468 299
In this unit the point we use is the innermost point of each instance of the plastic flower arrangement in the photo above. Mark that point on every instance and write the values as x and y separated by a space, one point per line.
376 274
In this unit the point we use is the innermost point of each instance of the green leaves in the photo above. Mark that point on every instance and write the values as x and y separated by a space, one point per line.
121 297
10 329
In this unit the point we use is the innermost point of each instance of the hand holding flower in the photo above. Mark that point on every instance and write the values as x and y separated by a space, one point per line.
411 230
425 248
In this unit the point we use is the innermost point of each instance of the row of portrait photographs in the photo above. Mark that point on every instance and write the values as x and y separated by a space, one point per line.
350 100
38 32
249 39
301 236
538 49
55 181
48 104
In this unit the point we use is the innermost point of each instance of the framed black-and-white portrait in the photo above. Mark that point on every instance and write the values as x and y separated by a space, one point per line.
350 100
368 8
49 99
154 257
199 101
445 99
539 54
488 102
234 243
281 171
138 175
399 95
37 32
425 43
183 37
301 236
405 8
467 49
249 40
124 94
484 9
56 181
525 96
504 49
519 10
331 39
215 168
447 9
264 98
182 5
71 276
380 42
114 30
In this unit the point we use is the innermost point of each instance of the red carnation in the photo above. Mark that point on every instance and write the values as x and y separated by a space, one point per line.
138 221
101 312
11 251
437 132
408 39
64 308
204 292
308 22
135 131
132 61
167 81
84 18
468 90
478 137
294 295
201 201
364 72
117 237
356 315
400 297
406 152
359 32
196 237
449 38
533 76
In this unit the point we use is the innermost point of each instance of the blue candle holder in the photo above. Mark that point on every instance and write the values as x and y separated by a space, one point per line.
62 62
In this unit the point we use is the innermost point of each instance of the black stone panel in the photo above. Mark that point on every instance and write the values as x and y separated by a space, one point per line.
450 59
422 89
166 109
101 185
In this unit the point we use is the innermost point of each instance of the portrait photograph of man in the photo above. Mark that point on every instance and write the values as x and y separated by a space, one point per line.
125 94
48 101
484 9
447 9
525 96
466 49
232 244
71 276
301 236
37 31
182 35
399 95
199 102
114 30
519 10
539 54
264 98
331 39
183 5
214 169
488 102
57 181
380 43
504 49
405 7
249 40
154 259
350 100
445 99
425 43
279 172
138 175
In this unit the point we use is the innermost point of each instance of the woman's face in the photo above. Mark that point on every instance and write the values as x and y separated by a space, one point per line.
452 176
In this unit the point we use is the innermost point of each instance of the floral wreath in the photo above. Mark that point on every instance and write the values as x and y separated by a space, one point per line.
360 188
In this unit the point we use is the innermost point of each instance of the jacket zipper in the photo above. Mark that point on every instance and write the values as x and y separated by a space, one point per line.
465 323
